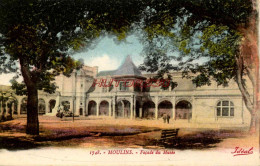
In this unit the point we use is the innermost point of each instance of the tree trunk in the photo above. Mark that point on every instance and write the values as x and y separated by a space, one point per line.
248 60
250 101
253 124
32 127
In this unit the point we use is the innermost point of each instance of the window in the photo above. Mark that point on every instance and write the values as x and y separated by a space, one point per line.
137 87
124 86
225 109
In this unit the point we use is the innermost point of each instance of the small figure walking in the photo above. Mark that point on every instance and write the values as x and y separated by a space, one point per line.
168 118
164 118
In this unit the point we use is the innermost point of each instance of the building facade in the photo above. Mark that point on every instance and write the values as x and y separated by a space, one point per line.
127 93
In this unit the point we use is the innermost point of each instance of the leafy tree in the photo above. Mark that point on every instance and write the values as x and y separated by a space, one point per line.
222 32
40 35
37 37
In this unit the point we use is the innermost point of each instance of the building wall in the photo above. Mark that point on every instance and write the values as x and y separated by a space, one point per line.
203 99
205 110
78 90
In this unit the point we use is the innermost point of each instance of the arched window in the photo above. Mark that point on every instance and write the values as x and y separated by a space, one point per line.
225 108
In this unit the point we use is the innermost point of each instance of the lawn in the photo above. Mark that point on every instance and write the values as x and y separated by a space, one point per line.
119 133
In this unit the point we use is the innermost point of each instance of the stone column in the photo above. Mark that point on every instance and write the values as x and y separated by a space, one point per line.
156 107
86 113
191 119
83 109
131 107
98 108
173 108
109 108
74 105
114 107
18 107
77 105
13 108
140 112
156 111
134 107
123 108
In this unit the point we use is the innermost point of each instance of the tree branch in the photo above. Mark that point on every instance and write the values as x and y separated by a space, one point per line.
26 73
244 92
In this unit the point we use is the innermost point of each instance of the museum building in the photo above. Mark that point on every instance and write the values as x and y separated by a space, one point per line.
129 93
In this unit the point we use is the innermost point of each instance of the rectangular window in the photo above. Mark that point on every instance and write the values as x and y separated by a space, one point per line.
123 86
137 87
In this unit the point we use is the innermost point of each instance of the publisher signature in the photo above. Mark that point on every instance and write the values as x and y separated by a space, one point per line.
241 151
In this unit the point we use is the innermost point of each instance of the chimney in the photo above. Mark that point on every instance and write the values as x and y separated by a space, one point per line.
95 71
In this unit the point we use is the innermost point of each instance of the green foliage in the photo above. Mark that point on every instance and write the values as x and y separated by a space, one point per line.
198 30
41 35
38 35
20 88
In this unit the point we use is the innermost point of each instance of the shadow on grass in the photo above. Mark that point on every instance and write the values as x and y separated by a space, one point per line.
191 143
56 137
201 140
18 143
70 134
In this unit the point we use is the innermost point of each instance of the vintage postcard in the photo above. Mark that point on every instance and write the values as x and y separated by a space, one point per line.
136 82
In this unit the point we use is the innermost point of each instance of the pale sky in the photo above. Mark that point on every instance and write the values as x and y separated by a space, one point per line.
107 55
